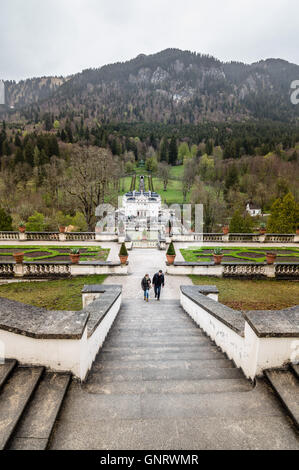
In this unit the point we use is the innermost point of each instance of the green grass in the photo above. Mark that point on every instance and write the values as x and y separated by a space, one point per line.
173 195
243 294
199 254
91 253
62 294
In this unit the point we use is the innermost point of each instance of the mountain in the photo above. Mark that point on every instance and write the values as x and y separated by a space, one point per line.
172 86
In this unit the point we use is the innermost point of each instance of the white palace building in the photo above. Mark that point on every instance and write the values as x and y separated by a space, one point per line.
139 204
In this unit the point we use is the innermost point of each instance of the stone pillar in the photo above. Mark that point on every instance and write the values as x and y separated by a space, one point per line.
270 270
62 237
22 236
262 238
296 238
19 270
225 238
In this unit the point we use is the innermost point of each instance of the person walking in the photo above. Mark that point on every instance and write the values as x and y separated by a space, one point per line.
146 285
158 283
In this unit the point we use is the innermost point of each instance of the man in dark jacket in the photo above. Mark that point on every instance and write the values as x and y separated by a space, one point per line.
158 283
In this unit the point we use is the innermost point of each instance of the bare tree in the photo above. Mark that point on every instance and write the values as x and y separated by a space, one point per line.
91 171
188 178
164 173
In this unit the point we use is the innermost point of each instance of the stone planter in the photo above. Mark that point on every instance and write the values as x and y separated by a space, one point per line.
19 257
170 258
123 259
217 259
75 258
263 231
22 229
225 230
62 229
297 231
270 257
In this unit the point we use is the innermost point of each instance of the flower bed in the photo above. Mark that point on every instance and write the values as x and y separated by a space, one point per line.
250 255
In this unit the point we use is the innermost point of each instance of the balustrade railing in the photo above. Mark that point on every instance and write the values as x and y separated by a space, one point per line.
46 269
191 237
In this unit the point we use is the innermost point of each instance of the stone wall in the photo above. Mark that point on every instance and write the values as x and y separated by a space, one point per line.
59 340
255 341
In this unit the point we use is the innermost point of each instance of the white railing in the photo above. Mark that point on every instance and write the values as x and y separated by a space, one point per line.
9 235
41 236
46 269
190 237
7 269
250 270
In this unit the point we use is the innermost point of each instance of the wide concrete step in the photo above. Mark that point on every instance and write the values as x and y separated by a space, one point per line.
133 375
35 427
158 349
173 341
14 398
194 364
157 331
170 386
204 353
5 370
286 386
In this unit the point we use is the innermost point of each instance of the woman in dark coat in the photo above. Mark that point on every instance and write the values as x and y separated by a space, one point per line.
146 285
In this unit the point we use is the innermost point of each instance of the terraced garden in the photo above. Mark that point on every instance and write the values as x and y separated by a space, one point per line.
53 253
241 255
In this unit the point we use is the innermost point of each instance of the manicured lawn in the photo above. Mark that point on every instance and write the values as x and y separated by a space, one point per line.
243 294
53 253
63 294
173 195
238 254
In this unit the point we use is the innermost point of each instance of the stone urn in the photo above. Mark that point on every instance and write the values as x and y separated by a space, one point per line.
123 259
22 228
263 231
297 231
217 258
19 257
225 229
62 229
270 258
170 258
75 258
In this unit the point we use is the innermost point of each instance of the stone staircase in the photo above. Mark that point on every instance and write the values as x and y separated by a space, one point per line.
160 383
30 400
286 385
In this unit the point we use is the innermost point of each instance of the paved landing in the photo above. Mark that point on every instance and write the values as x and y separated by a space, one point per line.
147 261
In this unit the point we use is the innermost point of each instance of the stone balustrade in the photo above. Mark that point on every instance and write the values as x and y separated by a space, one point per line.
191 237
242 270
255 341
236 238
48 269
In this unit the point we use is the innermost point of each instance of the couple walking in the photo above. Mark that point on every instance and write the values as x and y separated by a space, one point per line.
158 283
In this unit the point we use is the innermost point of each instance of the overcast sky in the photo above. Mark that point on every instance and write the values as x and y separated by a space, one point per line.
61 37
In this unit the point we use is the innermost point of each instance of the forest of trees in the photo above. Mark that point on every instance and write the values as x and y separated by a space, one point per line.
223 166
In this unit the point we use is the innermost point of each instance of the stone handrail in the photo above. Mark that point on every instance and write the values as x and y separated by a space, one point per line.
236 238
190 237
255 340
50 269
235 269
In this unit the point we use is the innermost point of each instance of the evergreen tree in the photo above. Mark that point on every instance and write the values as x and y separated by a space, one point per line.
164 150
173 151
5 221
284 216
